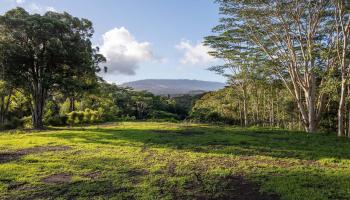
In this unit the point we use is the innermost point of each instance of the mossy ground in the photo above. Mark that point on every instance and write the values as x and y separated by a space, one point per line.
146 160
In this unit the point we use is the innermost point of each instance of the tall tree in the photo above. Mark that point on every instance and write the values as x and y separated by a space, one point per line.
293 40
42 52
342 36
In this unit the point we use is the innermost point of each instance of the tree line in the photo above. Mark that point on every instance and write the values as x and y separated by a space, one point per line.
300 45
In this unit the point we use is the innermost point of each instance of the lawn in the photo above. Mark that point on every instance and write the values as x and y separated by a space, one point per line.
146 160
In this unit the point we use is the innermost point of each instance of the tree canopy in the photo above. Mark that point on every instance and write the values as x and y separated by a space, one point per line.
42 54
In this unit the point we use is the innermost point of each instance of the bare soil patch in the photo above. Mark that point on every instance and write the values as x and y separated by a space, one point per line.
58 178
137 172
93 175
240 189
6 157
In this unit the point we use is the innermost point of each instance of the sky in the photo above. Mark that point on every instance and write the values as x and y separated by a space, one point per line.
143 39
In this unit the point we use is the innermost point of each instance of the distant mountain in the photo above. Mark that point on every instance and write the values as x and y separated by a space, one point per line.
174 86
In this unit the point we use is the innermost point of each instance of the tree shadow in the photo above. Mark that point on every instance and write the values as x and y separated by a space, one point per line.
220 140
308 184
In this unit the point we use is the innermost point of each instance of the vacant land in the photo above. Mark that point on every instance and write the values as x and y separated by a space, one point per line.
143 160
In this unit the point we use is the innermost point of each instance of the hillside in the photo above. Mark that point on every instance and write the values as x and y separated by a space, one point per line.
174 86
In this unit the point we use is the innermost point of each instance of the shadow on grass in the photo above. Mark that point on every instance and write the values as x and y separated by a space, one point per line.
81 189
220 140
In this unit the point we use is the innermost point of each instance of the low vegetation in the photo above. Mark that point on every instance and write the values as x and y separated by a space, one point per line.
145 160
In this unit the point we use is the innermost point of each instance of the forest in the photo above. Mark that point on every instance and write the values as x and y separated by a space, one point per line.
279 129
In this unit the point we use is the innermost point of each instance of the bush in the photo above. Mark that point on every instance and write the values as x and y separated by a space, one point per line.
128 118
158 114
12 124
27 122
57 120
72 117
83 117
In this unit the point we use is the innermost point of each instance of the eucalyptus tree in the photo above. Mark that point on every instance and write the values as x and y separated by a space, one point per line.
341 38
291 37
43 53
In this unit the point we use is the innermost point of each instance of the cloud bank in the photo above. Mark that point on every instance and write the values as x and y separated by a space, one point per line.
123 52
194 54
33 7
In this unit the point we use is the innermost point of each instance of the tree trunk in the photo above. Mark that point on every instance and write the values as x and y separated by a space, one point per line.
240 113
245 112
2 110
341 107
312 117
258 107
310 94
349 123
39 97
5 104
71 104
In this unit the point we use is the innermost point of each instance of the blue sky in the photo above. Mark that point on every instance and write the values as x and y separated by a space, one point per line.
143 39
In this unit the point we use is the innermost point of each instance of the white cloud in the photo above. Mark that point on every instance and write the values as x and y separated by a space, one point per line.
32 7
123 52
35 8
194 54
20 1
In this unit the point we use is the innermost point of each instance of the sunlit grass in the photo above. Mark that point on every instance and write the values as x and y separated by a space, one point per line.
146 160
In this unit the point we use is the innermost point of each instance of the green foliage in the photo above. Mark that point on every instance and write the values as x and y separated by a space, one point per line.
14 123
266 105
27 122
57 120
163 115
83 117
57 48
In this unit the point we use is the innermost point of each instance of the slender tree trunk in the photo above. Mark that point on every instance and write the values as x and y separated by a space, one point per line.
341 108
245 112
2 110
349 123
240 113
273 113
5 105
71 104
258 107
264 108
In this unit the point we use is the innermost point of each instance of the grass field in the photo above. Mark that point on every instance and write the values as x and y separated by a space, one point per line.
144 160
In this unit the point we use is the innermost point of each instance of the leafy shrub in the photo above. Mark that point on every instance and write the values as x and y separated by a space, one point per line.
158 114
72 117
27 122
57 120
83 117
12 124
128 118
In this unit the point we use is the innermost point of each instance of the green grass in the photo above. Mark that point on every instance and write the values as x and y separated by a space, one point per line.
145 160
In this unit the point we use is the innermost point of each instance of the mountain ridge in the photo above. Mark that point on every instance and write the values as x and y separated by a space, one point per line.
174 86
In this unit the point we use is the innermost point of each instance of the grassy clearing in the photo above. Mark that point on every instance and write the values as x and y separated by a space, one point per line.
143 160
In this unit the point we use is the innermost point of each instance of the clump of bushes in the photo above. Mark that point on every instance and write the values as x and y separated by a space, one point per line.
57 120
87 116
207 116
160 115
12 124
27 122
83 117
